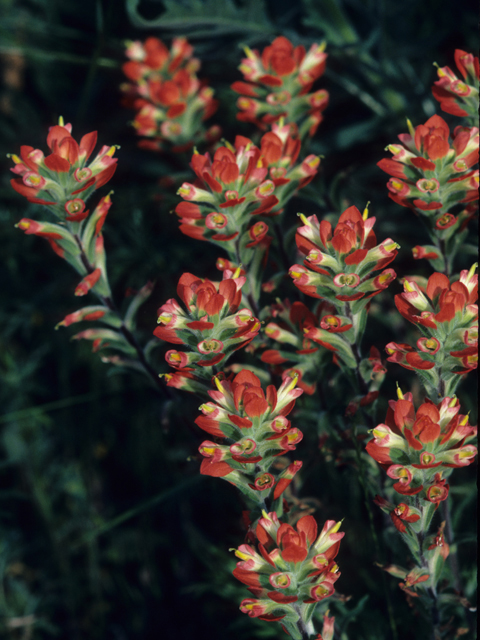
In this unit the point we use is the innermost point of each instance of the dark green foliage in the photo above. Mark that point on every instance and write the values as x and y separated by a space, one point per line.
107 530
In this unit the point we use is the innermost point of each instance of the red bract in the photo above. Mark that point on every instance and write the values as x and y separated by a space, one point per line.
339 263
459 96
56 179
212 326
170 101
295 564
413 446
278 85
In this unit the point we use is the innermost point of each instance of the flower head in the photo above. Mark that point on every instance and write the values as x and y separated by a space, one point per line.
63 179
170 101
278 84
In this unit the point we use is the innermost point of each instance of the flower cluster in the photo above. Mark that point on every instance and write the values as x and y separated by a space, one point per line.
417 447
242 181
431 173
293 564
278 84
255 425
447 315
58 179
338 265
212 326
171 103
459 96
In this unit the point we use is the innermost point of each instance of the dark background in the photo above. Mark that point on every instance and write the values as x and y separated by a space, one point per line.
107 530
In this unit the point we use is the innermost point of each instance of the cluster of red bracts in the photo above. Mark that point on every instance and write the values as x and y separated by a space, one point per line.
293 564
431 174
170 101
258 431
416 447
278 84
459 96
240 182
339 263
212 325
446 314
58 179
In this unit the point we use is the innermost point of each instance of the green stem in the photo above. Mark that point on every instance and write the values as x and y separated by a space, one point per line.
124 330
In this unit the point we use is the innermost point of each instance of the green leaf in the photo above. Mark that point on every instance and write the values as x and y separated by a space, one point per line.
222 16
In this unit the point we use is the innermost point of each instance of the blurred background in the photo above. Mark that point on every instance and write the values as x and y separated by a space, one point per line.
107 530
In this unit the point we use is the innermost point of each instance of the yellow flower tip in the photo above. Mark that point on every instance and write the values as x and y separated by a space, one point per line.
265 514
322 46
365 211
229 146
304 219
23 225
472 270
452 402
411 128
241 555
391 246
249 53
295 274
15 158
61 121
399 393
408 286
259 164
237 272
337 526
112 150
219 385
281 121
465 420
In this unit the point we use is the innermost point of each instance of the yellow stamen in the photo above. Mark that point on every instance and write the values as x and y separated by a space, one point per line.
219 385
293 383
410 128
304 219
472 270
465 420
295 274
238 271
453 402
61 122
399 393
241 555
337 526
408 286
365 211
112 150
249 53
15 158
322 46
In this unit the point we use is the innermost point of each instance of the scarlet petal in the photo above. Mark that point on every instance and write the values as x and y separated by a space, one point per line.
169 335
415 360
276 596
215 469
424 164
436 284
88 142
294 553
210 426
308 524
54 162
356 257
